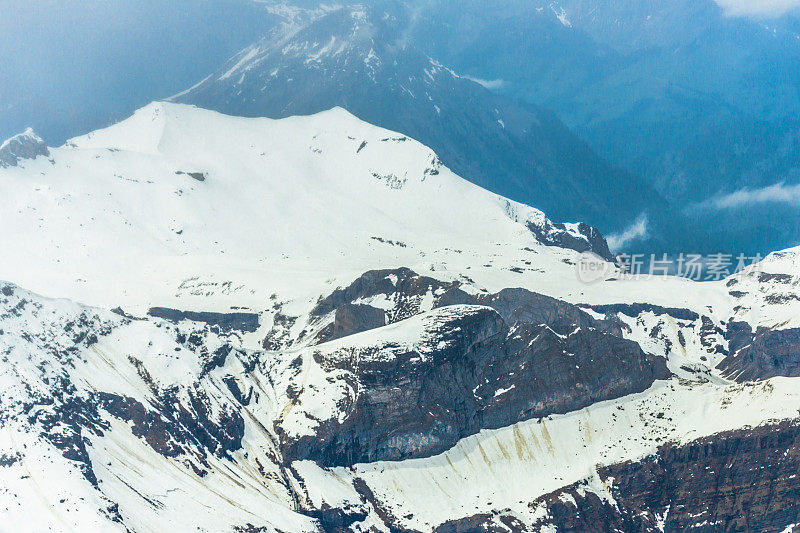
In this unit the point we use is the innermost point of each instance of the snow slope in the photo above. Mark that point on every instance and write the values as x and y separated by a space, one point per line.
291 206
60 386
150 424
178 203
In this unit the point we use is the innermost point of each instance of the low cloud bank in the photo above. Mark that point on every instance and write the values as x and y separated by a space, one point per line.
638 230
777 193
489 84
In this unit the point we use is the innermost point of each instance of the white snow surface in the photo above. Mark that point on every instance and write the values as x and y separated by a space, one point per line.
118 220
293 207
182 207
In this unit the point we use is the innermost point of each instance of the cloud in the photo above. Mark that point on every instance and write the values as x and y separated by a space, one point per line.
638 230
739 8
489 84
777 193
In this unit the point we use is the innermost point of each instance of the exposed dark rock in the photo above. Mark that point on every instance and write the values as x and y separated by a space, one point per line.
739 335
590 514
146 424
119 311
521 305
455 296
7 460
230 382
764 277
26 145
350 319
279 335
386 516
216 359
65 425
744 480
589 239
761 355
172 429
336 520
486 523
199 176
634 310
404 284
246 322
475 372
406 289
390 242
250 528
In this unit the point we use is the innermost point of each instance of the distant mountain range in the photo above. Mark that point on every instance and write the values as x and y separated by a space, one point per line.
669 125
362 59
697 103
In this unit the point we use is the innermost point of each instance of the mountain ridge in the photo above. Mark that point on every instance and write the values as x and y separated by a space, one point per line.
205 174
360 58
312 324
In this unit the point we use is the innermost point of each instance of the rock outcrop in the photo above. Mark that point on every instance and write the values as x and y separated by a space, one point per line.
742 480
762 354
26 145
245 322
476 362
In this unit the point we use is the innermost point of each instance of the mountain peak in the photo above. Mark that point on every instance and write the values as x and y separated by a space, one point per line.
141 132
337 37
360 58
253 194
25 145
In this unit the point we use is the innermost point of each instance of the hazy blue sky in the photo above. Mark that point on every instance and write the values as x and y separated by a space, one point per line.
67 62
70 66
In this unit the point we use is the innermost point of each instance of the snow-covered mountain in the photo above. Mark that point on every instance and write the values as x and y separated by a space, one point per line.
312 324
133 206
362 59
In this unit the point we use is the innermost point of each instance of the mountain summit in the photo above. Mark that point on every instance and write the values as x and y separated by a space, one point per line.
130 204
360 59
26 145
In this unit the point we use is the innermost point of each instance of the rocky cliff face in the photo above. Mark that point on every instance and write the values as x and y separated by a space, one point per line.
474 362
471 371
26 145
762 354
734 481
763 342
